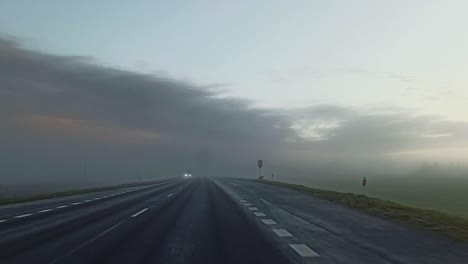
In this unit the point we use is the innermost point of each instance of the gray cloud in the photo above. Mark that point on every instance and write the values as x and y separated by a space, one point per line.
65 100
60 115
376 131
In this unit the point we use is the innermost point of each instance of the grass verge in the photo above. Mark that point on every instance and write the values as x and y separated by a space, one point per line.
453 226
67 193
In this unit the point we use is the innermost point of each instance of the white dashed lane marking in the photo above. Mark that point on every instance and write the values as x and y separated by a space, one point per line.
139 213
282 232
21 216
304 251
77 203
268 222
169 195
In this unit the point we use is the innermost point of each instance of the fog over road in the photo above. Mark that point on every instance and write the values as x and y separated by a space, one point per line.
210 220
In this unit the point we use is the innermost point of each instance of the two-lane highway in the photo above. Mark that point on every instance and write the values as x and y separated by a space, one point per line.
203 220
180 221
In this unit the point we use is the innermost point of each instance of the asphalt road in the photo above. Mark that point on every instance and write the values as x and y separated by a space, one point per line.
210 221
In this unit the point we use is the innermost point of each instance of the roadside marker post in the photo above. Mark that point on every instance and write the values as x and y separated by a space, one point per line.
260 165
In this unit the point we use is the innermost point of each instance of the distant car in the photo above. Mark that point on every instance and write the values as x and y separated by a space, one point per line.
187 175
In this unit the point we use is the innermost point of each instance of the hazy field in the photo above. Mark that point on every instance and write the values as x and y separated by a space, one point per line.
449 195
23 190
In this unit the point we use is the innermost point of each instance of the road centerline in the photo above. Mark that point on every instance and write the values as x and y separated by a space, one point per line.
139 213
22 216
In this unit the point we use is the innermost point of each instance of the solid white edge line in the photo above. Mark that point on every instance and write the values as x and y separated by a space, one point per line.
84 244
45 210
87 201
282 232
1 221
21 216
303 250
140 212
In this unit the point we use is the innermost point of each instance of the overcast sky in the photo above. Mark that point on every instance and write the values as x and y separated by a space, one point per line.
227 82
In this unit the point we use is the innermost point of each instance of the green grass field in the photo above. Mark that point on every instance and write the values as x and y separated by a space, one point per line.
440 222
449 195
